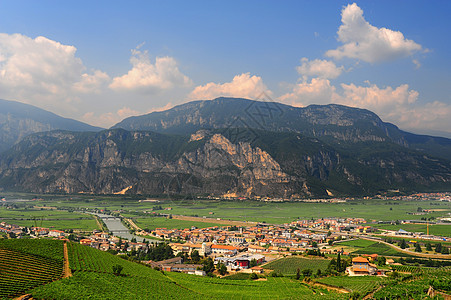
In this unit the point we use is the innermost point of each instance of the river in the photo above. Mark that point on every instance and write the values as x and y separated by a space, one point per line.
116 227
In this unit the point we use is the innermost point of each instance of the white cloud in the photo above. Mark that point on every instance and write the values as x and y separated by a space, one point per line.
363 41
148 77
107 119
380 100
92 83
319 68
244 86
397 105
43 72
317 91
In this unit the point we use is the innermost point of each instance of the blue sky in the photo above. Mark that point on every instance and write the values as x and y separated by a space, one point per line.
101 61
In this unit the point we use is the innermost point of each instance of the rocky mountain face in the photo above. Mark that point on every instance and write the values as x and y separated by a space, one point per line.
213 162
18 120
333 124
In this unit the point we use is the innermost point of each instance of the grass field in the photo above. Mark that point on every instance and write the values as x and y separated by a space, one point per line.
371 247
25 264
360 284
371 209
159 222
443 230
56 219
93 279
289 265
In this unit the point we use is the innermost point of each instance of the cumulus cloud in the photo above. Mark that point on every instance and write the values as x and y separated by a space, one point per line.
44 72
109 118
244 86
148 77
319 68
381 100
92 83
398 105
316 91
363 41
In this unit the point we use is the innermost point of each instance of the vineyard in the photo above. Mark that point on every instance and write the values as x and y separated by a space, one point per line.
91 285
406 269
360 284
21 271
42 247
273 288
289 265
414 286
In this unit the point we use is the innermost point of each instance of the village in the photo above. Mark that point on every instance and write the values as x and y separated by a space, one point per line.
238 249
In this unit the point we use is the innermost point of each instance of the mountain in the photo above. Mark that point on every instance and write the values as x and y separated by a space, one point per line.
276 164
335 124
234 147
18 120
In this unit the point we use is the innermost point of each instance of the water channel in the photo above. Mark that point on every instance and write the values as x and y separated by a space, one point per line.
116 227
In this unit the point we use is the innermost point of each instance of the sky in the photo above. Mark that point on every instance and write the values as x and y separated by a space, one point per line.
102 61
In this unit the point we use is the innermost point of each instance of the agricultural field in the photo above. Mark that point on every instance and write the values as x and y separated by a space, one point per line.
91 285
160 222
48 218
289 265
359 284
24 266
416 287
442 230
93 279
270 212
273 288
370 247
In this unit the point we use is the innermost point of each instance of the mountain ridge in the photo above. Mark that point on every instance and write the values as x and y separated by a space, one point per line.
332 122
18 120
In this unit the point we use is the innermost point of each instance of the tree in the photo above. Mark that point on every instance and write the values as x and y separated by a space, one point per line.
418 247
318 272
307 272
428 247
222 269
195 257
381 261
338 267
298 274
331 242
403 244
445 250
209 266
254 276
117 269
253 263
438 248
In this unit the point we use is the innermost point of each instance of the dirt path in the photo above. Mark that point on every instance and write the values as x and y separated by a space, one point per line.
130 221
67 271
329 287
211 220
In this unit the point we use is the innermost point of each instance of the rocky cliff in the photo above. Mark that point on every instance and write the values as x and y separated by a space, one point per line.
209 163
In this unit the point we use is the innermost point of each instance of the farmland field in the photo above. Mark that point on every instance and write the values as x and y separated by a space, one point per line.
443 230
273 288
289 265
160 222
414 289
271 212
371 247
54 219
360 284
93 279
25 265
